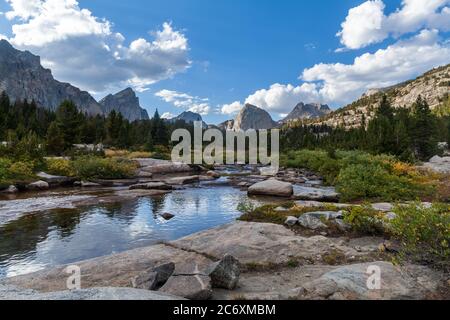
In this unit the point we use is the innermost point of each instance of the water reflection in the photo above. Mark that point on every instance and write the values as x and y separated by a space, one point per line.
35 241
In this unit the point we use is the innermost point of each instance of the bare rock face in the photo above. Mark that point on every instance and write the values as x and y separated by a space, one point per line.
192 287
22 77
127 103
252 117
307 111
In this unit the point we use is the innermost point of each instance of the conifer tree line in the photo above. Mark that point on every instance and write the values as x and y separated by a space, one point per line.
409 134
61 129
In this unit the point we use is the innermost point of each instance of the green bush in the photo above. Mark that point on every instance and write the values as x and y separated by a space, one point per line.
104 168
365 220
359 175
60 167
15 172
424 232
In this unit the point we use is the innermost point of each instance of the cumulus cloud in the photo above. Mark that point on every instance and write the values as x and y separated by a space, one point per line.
85 50
185 101
231 108
281 98
367 23
342 83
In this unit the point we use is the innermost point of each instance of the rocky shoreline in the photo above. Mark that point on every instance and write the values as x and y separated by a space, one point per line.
241 260
266 269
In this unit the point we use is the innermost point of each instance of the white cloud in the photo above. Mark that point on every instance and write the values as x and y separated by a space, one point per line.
342 83
281 98
185 101
367 23
168 116
3 37
84 50
231 108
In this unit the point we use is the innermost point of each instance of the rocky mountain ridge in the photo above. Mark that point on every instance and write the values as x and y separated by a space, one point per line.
252 117
307 111
433 86
23 77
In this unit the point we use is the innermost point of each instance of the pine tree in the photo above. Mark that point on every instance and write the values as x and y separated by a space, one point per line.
55 139
68 120
424 130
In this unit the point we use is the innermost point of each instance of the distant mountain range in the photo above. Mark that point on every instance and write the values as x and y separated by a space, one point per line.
189 117
23 77
307 111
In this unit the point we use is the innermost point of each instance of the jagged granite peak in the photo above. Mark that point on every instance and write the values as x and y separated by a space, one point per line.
227 125
252 117
127 103
23 77
307 111
189 117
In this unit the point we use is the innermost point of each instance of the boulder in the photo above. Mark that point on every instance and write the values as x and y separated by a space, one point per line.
353 282
167 216
155 166
383 207
55 180
272 187
311 222
291 221
38 185
10 190
225 273
151 186
315 194
192 287
154 278
183 180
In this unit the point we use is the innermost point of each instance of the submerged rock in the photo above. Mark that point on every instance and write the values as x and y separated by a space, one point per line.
167 216
271 187
225 273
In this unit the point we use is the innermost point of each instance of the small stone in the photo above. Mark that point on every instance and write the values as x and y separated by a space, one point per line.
311 222
213 174
167 216
225 273
280 209
390 216
11 190
87 184
383 207
291 221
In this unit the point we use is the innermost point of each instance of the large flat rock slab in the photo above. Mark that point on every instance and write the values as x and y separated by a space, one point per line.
114 271
103 294
261 243
155 166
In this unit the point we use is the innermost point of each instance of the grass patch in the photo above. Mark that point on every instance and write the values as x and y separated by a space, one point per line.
60 167
365 220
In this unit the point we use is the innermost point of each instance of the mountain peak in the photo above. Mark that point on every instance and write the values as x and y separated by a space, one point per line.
253 117
127 103
307 111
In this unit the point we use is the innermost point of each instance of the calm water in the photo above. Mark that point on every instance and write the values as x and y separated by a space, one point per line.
36 241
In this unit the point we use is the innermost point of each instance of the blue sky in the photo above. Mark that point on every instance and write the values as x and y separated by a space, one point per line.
223 53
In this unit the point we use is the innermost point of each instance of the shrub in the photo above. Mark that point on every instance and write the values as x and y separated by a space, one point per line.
139 155
104 168
365 220
15 172
60 167
424 232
